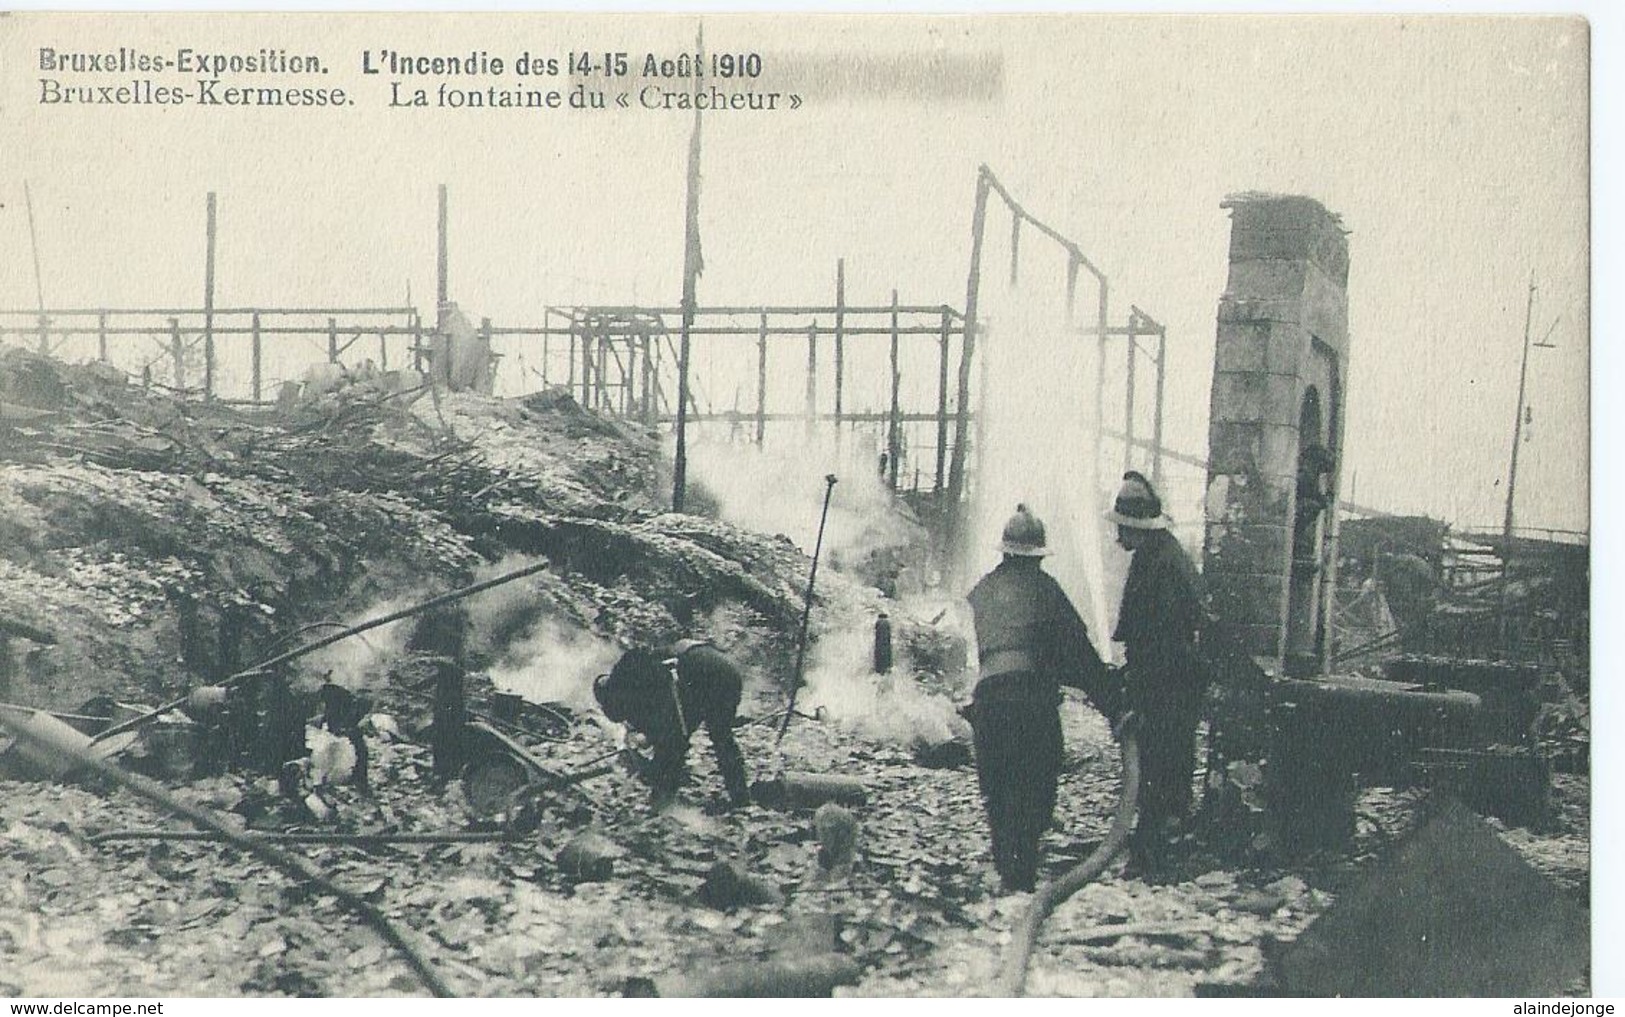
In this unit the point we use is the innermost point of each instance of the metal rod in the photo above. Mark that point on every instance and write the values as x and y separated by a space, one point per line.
806 614
332 340
1507 537
329 640
811 400
39 284
101 337
693 264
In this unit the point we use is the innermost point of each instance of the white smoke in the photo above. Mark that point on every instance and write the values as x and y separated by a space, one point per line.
358 661
781 491
534 653
885 708
554 663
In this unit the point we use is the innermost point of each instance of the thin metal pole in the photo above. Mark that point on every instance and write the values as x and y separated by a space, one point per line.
693 264
1512 473
332 340
806 615
208 300
39 285
101 336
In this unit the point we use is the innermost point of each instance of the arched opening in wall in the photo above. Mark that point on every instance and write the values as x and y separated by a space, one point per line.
1306 621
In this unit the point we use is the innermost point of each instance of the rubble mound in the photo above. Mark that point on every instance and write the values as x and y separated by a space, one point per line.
163 543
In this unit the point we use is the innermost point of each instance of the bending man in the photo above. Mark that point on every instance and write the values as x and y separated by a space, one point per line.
666 698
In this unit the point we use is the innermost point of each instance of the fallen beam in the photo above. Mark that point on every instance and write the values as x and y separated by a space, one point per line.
299 868
777 977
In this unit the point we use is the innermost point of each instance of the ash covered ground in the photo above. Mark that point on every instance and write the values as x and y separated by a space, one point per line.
164 544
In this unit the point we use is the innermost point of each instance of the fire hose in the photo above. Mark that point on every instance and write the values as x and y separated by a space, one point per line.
1013 973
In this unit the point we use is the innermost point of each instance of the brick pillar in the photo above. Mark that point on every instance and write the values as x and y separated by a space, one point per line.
1282 330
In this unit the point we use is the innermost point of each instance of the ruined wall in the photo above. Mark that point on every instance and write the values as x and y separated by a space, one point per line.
1282 329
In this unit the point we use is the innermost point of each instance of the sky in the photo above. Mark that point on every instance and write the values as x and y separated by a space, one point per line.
1455 151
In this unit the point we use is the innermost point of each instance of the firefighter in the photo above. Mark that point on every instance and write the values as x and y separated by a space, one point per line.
1031 641
1163 679
666 697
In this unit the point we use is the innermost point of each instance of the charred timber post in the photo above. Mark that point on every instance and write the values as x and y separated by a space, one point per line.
811 400
1072 265
840 340
600 372
894 432
761 381
442 257
648 379
177 352
967 350
208 301
101 336
1015 250
942 398
332 340
1156 420
1128 388
255 353
1101 307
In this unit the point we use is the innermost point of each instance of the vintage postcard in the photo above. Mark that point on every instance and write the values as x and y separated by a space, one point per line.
1113 491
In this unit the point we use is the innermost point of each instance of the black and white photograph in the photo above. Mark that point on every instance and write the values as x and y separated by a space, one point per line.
701 504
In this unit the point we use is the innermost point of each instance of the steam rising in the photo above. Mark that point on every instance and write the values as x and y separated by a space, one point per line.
553 663
357 661
888 708
1039 441
533 653
781 491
